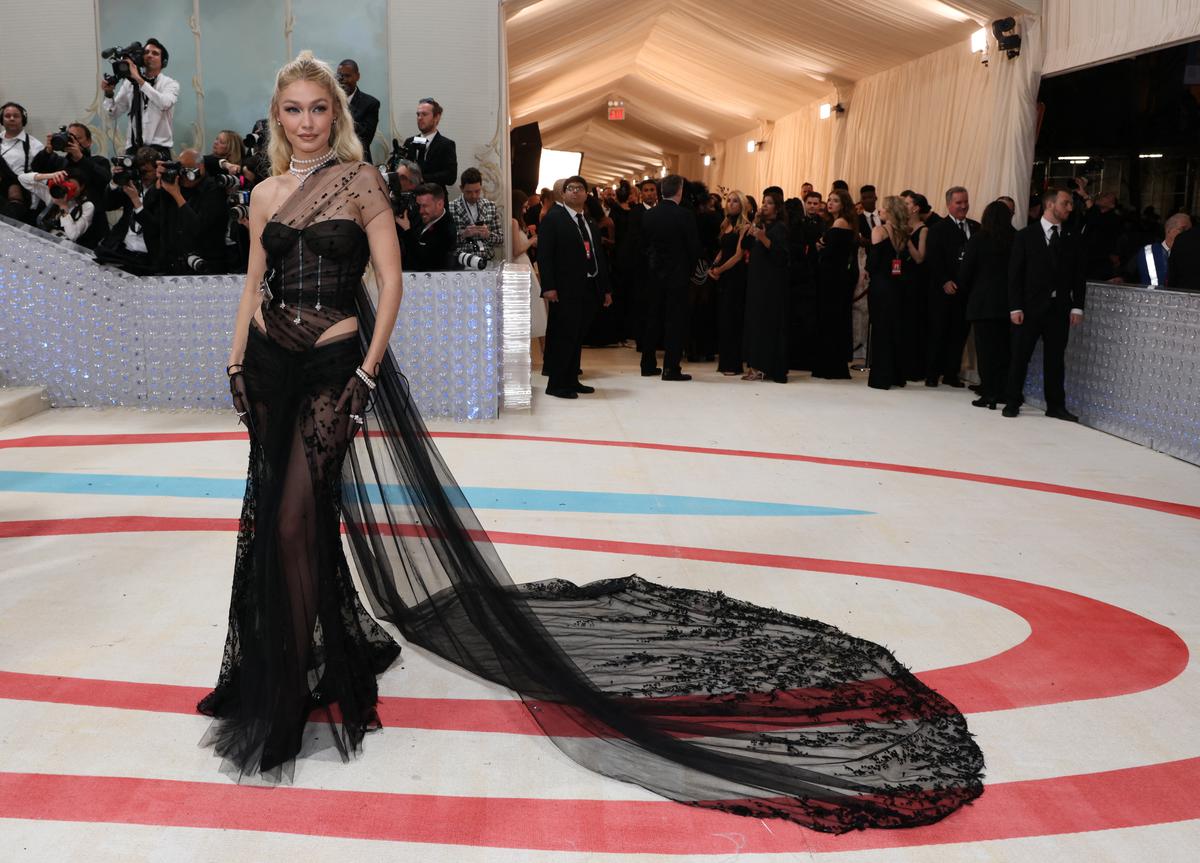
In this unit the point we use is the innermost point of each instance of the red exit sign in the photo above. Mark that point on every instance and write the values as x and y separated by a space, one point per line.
616 113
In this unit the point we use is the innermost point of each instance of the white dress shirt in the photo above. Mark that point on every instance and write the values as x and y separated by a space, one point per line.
158 109
13 150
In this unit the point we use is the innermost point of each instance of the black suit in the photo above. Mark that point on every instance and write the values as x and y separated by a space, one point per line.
579 275
944 250
365 111
672 244
438 160
429 250
865 227
1045 284
1184 264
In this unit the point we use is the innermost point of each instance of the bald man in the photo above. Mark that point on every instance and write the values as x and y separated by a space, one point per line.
193 216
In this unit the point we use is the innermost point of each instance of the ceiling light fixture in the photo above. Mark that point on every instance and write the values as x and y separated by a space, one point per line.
707 160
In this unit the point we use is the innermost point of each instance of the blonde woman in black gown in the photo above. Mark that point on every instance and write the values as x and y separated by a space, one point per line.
696 696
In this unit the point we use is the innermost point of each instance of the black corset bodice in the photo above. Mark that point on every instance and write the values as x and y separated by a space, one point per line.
312 274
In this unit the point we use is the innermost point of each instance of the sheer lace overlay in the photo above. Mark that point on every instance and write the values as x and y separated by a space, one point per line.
696 696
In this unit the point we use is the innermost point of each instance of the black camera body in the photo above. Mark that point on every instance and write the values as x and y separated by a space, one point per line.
60 139
173 171
123 173
256 140
122 57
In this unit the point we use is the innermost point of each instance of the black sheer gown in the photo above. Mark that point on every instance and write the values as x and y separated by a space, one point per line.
768 305
696 696
731 290
837 274
885 296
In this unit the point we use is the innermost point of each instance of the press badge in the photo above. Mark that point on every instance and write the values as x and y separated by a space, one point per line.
895 266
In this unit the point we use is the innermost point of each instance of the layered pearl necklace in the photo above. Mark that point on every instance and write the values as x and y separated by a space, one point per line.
302 169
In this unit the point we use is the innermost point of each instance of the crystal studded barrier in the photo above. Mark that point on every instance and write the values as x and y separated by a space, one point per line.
1133 367
96 337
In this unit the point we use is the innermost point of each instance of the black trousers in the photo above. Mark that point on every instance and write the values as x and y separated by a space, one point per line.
566 323
947 334
666 319
1051 327
993 347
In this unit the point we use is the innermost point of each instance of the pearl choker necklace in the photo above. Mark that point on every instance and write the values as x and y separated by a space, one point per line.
315 164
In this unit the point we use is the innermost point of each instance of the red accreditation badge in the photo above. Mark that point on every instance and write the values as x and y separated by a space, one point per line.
895 266
587 247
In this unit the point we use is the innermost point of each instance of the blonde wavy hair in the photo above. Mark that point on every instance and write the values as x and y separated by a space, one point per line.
344 141
233 145
897 218
743 216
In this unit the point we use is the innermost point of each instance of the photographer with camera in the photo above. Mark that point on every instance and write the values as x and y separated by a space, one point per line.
403 177
17 150
133 243
193 215
476 223
151 114
68 213
428 246
74 143
436 154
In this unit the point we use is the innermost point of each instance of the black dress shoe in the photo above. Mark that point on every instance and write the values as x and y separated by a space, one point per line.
953 382
675 376
584 389
560 393
1061 414
649 373
931 382
1011 410
976 388
984 402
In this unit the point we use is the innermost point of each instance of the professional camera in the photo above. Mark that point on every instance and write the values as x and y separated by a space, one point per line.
123 172
196 264
256 140
240 206
172 171
229 183
121 58
395 156
60 139
476 260
402 202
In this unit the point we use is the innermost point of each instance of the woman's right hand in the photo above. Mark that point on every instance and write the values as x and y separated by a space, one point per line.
240 396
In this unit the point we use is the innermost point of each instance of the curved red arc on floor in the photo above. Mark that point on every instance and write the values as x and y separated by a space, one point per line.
1078 648
1065 804
1168 507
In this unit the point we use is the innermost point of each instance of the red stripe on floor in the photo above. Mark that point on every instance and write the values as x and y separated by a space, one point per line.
1078 648
1133 797
1168 507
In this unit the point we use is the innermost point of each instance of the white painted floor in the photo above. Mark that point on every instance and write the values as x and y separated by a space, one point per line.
1058 608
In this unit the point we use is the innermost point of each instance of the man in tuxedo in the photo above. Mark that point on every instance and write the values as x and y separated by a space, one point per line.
1045 298
363 108
1184 263
868 219
672 244
432 151
947 310
574 277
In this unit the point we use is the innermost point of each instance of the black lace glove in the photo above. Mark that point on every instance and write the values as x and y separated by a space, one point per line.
241 398
356 398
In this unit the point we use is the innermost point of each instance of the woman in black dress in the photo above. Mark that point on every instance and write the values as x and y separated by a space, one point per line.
729 273
984 277
914 302
768 288
695 696
887 258
837 274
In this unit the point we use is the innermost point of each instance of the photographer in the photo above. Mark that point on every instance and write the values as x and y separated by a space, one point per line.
133 243
430 245
67 211
17 149
193 214
151 115
476 222
74 142
436 154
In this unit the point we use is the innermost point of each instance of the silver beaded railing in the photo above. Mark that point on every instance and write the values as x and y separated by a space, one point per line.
96 337
1133 368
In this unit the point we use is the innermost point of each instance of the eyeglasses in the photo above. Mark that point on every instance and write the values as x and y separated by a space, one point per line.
574 187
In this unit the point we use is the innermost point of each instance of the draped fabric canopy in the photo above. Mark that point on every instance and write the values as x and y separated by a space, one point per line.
691 72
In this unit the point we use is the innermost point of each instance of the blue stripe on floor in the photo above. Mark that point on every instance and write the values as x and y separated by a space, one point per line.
533 500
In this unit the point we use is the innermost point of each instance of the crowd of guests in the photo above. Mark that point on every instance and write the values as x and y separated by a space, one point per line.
770 285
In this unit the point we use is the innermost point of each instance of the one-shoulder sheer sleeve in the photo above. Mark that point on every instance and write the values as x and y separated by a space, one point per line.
370 193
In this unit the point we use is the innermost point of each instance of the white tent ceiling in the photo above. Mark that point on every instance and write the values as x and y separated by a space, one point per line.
692 72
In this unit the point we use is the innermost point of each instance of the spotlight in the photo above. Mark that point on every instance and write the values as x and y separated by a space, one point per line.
979 41
827 110
662 172
751 146
707 160
1010 44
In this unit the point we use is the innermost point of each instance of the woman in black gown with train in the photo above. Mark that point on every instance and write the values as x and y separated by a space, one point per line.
784 717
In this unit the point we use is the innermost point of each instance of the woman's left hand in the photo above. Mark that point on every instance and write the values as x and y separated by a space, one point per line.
354 400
